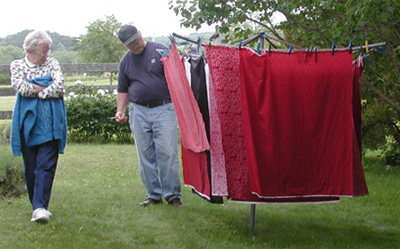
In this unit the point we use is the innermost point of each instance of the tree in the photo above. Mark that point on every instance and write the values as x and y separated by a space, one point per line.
9 53
60 42
101 43
319 23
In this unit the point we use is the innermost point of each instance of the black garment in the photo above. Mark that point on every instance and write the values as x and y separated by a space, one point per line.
199 88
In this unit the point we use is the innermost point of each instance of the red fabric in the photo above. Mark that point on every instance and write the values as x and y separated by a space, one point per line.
190 121
224 69
194 172
298 123
192 130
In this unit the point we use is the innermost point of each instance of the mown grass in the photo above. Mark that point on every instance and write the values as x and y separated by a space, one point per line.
95 205
7 103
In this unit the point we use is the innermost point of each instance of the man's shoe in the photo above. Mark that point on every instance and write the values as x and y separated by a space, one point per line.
150 201
41 215
175 202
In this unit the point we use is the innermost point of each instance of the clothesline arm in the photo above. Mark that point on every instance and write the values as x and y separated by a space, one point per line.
268 38
187 39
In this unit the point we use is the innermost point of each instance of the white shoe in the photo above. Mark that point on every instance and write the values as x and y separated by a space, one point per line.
41 215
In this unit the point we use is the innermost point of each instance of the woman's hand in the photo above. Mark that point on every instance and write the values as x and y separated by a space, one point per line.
39 88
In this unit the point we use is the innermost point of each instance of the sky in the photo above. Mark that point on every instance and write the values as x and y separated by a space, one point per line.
71 17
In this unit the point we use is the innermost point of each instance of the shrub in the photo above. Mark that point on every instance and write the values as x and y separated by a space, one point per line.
12 181
5 131
89 112
392 158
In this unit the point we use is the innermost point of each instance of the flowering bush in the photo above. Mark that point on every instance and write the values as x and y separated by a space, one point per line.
89 116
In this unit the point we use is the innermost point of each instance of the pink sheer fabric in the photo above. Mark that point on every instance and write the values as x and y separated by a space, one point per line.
190 121
191 125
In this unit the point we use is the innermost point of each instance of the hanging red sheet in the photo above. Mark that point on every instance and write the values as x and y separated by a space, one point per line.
224 69
237 135
298 124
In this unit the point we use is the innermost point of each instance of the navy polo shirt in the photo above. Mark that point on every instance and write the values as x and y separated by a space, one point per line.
142 76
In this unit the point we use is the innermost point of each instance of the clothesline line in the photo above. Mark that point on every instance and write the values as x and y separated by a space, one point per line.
297 48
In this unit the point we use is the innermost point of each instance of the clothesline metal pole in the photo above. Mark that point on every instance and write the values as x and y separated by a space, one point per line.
253 206
370 46
252 216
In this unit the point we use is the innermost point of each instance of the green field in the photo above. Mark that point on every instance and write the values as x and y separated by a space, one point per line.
95 205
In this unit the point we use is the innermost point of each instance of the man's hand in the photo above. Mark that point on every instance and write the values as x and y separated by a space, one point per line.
120 117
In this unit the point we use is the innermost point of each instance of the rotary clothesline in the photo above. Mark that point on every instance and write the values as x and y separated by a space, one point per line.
261 37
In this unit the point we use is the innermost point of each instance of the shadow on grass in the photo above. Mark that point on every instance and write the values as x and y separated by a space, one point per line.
292 226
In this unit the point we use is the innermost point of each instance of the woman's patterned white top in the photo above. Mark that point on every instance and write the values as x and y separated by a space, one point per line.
24 69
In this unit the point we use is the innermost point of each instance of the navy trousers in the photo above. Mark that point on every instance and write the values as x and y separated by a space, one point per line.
40 163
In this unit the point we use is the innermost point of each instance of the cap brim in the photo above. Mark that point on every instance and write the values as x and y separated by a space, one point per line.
131 39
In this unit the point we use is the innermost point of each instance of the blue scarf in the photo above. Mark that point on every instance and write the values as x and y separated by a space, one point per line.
38 120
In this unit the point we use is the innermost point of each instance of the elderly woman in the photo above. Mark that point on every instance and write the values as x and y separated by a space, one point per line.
39 127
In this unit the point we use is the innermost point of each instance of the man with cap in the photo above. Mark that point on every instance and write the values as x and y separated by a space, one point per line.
142 86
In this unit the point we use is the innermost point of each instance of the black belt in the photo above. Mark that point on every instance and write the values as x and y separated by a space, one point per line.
153 104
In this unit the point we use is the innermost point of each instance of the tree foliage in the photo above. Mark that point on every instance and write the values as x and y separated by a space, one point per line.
318 23
9 53
11 48
101 43
60 42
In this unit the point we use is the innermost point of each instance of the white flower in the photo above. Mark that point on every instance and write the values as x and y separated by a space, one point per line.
78 82
101 92
71 94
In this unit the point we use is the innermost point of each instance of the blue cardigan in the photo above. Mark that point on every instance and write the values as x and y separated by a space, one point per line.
38 120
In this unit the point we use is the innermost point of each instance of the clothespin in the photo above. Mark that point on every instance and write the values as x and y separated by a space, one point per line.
290 49
269 49
351 46
366 46
307 49
163 52
333 48
198 44
240 45
381 49
315 49
172 39
365 58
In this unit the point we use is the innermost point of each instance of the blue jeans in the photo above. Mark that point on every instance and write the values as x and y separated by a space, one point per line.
155 132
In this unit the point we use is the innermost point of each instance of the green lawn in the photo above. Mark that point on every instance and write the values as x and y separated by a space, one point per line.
95 205
7 103
95 81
